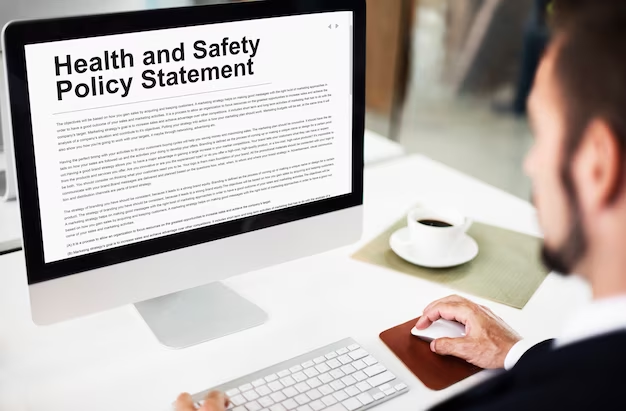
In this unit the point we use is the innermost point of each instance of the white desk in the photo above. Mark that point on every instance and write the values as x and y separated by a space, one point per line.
377 150
110 361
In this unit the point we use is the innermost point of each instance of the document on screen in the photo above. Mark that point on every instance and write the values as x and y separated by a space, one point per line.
147 134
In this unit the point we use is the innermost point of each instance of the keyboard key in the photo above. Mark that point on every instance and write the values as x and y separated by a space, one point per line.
258 382
302 387
337 385
308 364
299 377
374 370
311 372
359 365
352 391
253 406
326 378
337 374
389 391
348 369
283 373
240 408
378 396
263 391
275 386
358 354
384 387
287 381
340 395
232 392
359 376
348 380
295 368
290 404
290 392
331 355
304 408
319 360
317 405
251 395
333 363
277 407
238 400
302 399
353 347
364 386
342 351
266 401
352 404
345 359
365 398
381 379
271 377
314 382
326 389
314 394
322 368
329 400
278 397
370 360
245 387
400 387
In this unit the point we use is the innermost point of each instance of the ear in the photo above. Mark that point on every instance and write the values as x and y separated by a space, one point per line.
597 167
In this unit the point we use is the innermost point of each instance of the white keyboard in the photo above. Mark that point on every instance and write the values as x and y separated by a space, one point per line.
339 377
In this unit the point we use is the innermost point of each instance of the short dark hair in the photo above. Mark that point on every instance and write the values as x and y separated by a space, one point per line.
590 65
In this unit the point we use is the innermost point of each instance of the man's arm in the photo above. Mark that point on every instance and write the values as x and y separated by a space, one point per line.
488 343
523 347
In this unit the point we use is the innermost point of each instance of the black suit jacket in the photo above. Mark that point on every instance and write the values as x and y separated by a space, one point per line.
589 375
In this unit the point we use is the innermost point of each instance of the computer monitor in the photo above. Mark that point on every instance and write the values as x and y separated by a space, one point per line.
161 151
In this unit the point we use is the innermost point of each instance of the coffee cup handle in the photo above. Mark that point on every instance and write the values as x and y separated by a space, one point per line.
467 224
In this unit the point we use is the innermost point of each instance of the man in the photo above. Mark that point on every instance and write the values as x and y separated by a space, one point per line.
578 168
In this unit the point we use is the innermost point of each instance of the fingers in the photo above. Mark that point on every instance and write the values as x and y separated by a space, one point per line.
425 321
185 403
456 347
452 311
215 401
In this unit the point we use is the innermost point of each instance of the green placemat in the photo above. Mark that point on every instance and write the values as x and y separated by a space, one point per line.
507 269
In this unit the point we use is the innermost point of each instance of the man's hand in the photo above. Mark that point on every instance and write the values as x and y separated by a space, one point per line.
487 339
215 401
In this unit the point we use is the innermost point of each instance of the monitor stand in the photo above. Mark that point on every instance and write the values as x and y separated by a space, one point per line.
200 314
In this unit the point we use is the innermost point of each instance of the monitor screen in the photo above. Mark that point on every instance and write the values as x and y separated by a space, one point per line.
149 134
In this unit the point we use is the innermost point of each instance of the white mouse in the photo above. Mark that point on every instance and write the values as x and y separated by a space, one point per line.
440 329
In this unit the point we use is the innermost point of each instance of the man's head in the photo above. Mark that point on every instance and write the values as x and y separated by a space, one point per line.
578 114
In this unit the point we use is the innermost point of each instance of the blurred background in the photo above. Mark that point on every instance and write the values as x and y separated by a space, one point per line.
458 92
445 78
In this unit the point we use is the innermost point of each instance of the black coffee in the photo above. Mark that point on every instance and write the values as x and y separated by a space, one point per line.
434 223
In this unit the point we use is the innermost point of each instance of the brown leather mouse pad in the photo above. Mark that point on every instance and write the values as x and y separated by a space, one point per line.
435 371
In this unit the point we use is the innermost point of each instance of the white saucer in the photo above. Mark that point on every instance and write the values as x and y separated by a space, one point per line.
465 251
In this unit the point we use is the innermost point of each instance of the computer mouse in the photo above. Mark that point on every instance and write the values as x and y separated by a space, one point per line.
440 329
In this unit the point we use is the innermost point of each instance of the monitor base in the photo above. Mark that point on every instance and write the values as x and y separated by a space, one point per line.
201 314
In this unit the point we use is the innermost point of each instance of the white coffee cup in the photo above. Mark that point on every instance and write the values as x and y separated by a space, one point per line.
432 241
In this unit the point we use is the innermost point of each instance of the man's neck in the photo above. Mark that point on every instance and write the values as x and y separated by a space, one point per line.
606 266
